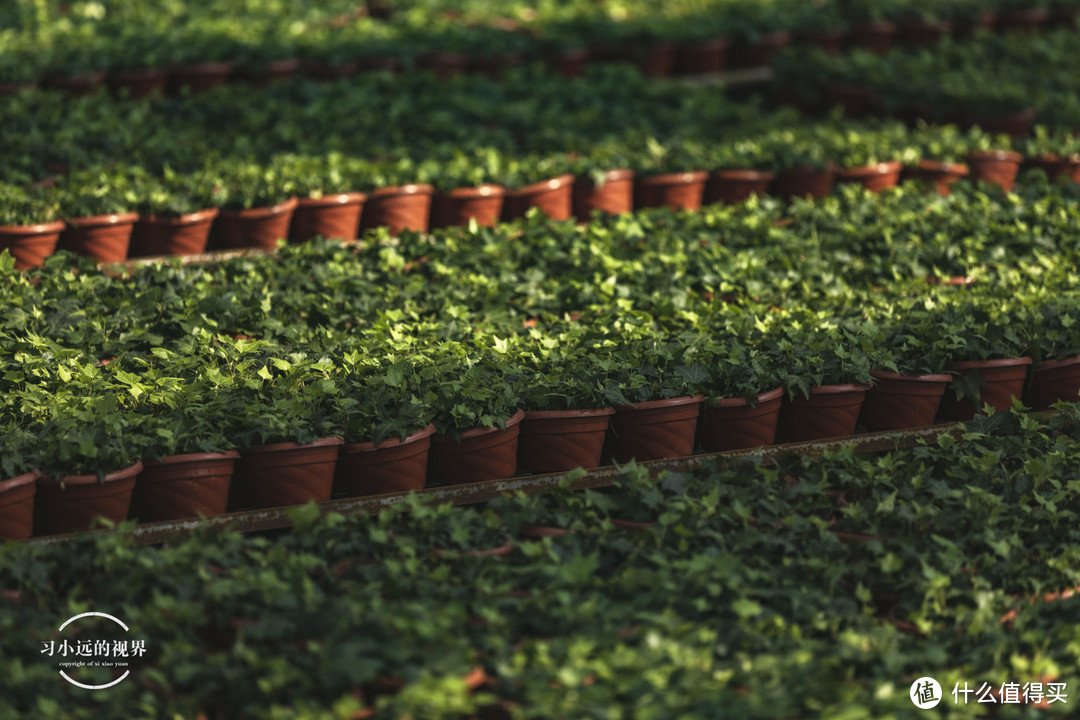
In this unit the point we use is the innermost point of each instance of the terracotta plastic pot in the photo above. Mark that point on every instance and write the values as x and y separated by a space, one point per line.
559 440
804 182
199 77
258 227
678 191
137 83
1017 124
614 197
1022 20
653 430
966 28
30 244
272 71
829 41
444 65
903 401
875 178
702 58
183 486
940 175
332 216
855 100
488 453
285 474
554 197
103 237
394 465
402 207
78 85
918 33
459 206
735 186
184 235
877 37
1004 380
17 507
734 424
830 411
996 167
1055 166
761 53
568 63
1054 380
82 500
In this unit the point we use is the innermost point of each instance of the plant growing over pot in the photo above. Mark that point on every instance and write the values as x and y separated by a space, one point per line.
742 405
137 65
1054 348
604 180
97 207
872 25
669 175
742 170
75 62
758 32
468 187
1055 152
992 159
399 199
18 477
258 206
176 212
30 224
801 161
329 201
935 155
869 156
544 181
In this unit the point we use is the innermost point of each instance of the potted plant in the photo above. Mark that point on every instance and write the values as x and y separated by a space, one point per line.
702 46
74 63
935 156
545 182
18 478
1022 16
467 188
871 25
821 27
992 159
742 171
97 211
1055 352
603 181
399 200
137 65
329 202
30 224
923 26
1056 153
868 156
206 60
21 63
742 405
258 206
758 32
176 212
669 175
271 59
800 159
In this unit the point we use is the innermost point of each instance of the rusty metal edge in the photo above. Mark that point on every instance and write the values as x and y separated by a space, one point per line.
278 518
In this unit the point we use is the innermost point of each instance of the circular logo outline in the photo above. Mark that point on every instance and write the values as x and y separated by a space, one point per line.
76 683
916 690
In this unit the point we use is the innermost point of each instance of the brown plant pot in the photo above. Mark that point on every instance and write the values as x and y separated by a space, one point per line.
876 37
804 182
940 175
393 466
1055 166
831 42
875 178
1017 124
903 401
378 63
1004 380
855 100
184 235
484 454
30 244
493 66
17 507
735 186
269 72
702 58
614 197
678 191
83 499
568 63
285 474
137 83
554 197
1054 380
996 167
199 77
559 440
1022 20
734 424
653 430
104 238
183 486
402 207
830 411
332 216
761 53
656 60
966 28
918 33
78 85
444 65
258 227
457 207
325 72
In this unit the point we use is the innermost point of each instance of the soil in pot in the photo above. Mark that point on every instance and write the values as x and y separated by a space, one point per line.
459 206
103 237
137 83
554 197
183 486
1004 380
917 33
402 207
30 244
1055 166
804 182
653 430
184 235
614 197
830 411
735 186
394 465
199 78
332 216
996 167
254 228
83 499
1054 380
734 424
761 53
559 440
484 454
702 58
285 474
876 37
17 507
875 178
678 191
938 174
903 401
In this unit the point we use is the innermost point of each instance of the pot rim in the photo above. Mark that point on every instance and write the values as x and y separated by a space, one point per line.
764 397
28 478
1053 364
192 218
554 183
115 476
39 229
999 155
511 421
944 167
881 168
192 457
260 213
667 402
676 178
744 174
560 414
829 169
487 190
102 220
407 189
281 446
838 389
333 199
925 377
1053 159
370 446
614 175
1001 362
